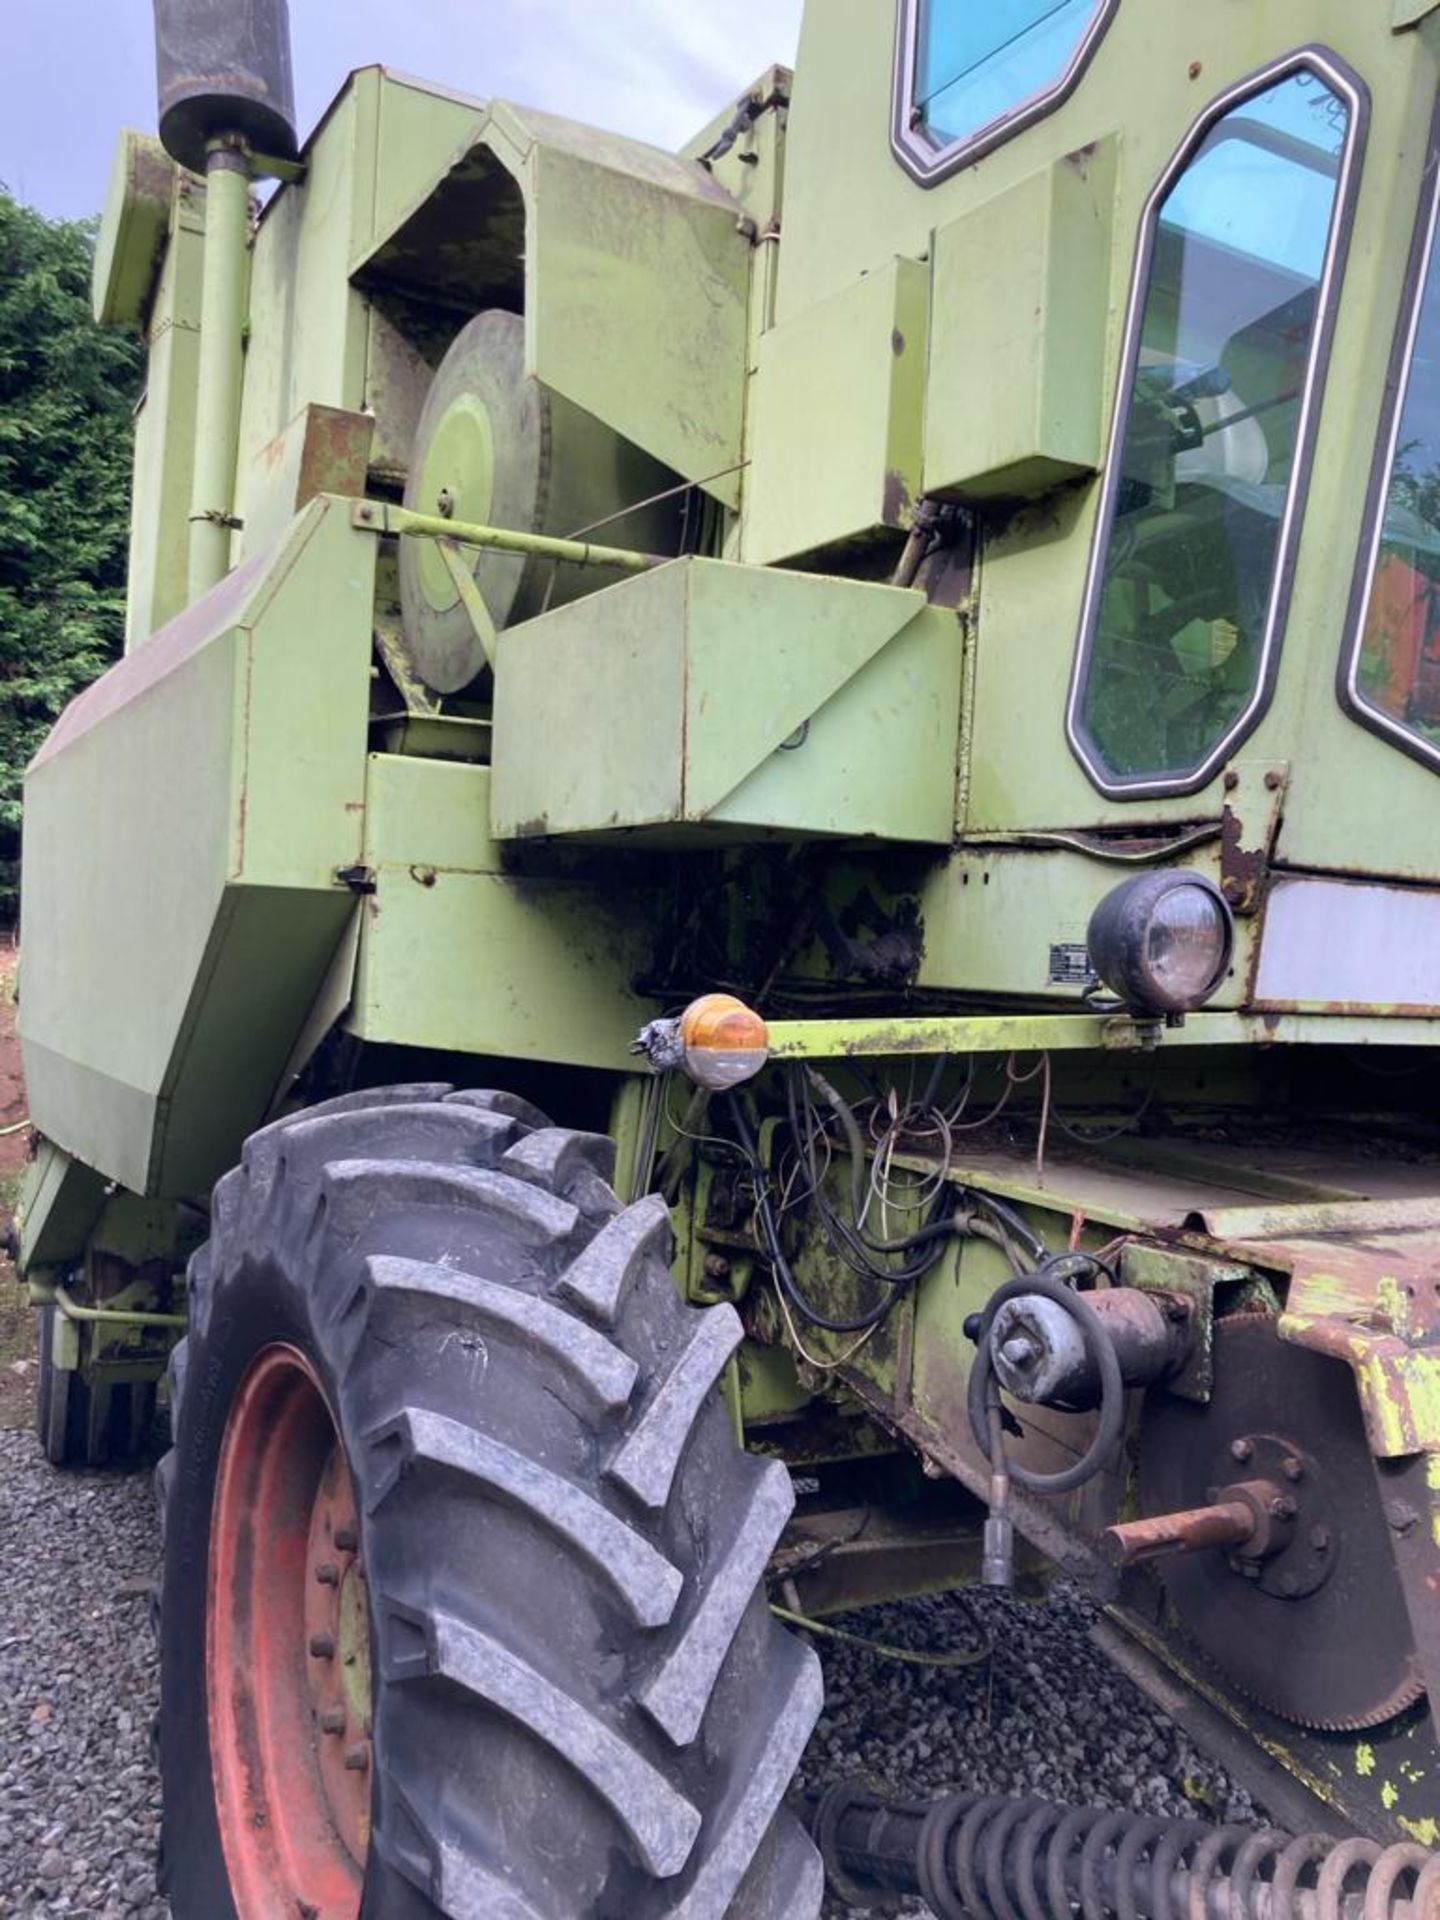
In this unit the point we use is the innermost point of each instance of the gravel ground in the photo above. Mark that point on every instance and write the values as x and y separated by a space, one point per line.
79 1810
1046 1714
79 1802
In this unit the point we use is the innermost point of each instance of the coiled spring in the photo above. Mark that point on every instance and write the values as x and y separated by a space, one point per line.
984 1857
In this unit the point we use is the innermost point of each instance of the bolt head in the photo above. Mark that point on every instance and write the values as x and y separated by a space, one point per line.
333 1720
328 1574
346 1539
322 1646
1240 1449
357 1759
1320 1539
1282 1507
1292 1467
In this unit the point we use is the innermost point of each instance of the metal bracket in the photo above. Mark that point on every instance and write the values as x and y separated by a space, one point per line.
1249 825
471 597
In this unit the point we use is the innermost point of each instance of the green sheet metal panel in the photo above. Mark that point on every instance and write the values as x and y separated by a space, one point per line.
456 955
1007 920
1023 283
630 265
131 240
850 208
839 406
165 424
420 128
739 699
308 325
183 825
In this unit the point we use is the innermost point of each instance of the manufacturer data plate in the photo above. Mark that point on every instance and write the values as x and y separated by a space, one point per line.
1069 963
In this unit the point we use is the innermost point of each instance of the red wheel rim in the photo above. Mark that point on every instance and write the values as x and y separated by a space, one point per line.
287 1654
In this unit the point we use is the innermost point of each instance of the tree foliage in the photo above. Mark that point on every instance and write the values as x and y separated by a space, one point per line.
67 390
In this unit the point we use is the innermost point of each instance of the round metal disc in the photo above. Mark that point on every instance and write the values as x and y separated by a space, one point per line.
495 445
1336 1652
481 454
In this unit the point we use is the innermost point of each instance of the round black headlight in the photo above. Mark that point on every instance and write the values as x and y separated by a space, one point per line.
1162 941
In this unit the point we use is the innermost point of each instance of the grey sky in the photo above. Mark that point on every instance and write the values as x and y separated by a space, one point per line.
73 71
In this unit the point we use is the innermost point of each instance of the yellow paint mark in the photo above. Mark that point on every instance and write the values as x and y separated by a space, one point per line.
1391 1299
1389 1794
1364 1759
1432 1472
1427 1832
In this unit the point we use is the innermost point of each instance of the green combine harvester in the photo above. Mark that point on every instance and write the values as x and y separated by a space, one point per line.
755 923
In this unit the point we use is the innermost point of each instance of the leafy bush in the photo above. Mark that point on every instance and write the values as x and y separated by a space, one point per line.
67 392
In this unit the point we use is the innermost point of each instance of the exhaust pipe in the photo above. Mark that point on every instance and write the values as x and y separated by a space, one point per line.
223 68
227 100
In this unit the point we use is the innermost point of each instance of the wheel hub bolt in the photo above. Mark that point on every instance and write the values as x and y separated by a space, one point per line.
322 1647
333 1720
1240 1449
328 1574
1292 1468
1282 1507
1320 1539
357 1759
346 1539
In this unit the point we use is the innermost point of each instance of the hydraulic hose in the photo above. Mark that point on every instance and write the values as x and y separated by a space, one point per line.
984 1386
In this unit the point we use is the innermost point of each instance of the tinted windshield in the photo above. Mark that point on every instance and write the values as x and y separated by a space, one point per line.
1185 603
1394 676
977 64
972 73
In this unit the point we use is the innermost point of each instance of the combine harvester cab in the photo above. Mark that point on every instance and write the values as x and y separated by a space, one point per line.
781 795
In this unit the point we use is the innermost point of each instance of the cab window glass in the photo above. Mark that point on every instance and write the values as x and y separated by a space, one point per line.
976 64
1395 667
1201 512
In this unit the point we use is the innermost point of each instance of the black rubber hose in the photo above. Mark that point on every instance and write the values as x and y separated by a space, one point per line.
984 1387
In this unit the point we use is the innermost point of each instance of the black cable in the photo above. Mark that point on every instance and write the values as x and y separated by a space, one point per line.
899 1281
984 1386
852 1243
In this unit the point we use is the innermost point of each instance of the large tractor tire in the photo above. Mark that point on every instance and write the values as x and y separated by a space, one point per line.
461 1611
83 1423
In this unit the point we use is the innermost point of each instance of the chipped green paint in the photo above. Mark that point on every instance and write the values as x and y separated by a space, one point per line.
1389 1794
1364 1759
1427 1832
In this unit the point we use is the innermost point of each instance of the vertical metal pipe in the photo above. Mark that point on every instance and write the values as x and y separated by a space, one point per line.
222 332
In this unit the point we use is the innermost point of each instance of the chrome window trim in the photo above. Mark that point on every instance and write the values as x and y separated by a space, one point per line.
1397 390
1346 82
927 160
